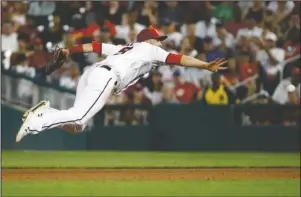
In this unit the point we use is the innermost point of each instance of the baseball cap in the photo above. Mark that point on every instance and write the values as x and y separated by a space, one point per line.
147 34
271 36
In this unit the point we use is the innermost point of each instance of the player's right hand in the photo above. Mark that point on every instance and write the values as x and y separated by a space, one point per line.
217 65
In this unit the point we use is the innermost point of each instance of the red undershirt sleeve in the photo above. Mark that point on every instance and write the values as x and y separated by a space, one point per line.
173 58
97 47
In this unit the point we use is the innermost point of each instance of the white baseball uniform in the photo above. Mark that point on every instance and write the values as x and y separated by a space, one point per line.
123 66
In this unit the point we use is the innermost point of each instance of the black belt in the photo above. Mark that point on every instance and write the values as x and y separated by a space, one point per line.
109 69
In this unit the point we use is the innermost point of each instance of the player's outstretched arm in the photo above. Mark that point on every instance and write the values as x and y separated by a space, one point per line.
84 48
96 47
213 66
187 61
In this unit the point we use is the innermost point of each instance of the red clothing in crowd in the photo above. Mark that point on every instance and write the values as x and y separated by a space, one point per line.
247 70
38 59
88 32
186 92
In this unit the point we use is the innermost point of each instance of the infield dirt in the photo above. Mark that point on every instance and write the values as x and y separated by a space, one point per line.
151 174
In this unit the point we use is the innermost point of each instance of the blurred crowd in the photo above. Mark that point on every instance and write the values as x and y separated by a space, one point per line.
255 36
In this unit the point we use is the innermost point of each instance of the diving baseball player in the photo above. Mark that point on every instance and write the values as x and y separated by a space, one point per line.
123 66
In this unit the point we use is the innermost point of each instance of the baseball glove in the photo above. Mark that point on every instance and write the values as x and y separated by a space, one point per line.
58 59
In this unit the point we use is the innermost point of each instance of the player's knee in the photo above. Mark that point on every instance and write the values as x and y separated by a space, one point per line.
80 122
78 116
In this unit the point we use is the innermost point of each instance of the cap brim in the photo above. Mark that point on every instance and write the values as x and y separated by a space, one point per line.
161 38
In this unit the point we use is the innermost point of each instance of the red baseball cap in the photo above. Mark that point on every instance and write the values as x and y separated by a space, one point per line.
147 34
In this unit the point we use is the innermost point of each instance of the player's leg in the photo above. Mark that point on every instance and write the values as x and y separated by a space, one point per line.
71 128
99 87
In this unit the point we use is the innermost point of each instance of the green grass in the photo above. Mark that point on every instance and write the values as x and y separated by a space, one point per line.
69 159
40 159
153 188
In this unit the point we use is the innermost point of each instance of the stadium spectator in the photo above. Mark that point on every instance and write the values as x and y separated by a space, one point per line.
288 90
225 11
280 9
9 40
114 12
254 43
217 93
53 33
19 13
39 57
231 75
256 11
134 95
174 37
23 43
184 91
206 27
23 50
192 75
129 23
41 10
67 76
223 37
189 30
212 52
147 13
168 94
194 15
29 27
171 11
292 37
247 67
244 35
270 58
153 87
167 72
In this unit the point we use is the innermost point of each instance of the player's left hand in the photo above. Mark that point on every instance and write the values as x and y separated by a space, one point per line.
217 65
59 58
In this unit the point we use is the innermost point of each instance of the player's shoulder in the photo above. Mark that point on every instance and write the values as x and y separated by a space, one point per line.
145 46
142 44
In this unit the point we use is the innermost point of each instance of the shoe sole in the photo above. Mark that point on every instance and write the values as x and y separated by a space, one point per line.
26 117
33 109
20 135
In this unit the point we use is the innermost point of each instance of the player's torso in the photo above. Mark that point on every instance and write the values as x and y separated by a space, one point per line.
131 62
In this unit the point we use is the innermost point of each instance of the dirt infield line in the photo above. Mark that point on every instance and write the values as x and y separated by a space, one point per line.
150 174
159 168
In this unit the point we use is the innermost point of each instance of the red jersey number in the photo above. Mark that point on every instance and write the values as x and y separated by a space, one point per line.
125 49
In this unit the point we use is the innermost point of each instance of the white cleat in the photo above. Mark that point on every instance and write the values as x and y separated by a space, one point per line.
27 117
34 108
24 130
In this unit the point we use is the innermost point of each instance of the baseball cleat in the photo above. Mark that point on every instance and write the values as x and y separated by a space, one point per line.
34 108
28 116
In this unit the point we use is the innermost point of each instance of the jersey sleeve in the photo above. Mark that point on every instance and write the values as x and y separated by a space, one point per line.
161 55
110 49
105 49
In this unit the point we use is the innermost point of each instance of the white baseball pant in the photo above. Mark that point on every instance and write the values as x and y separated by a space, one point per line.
95 87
